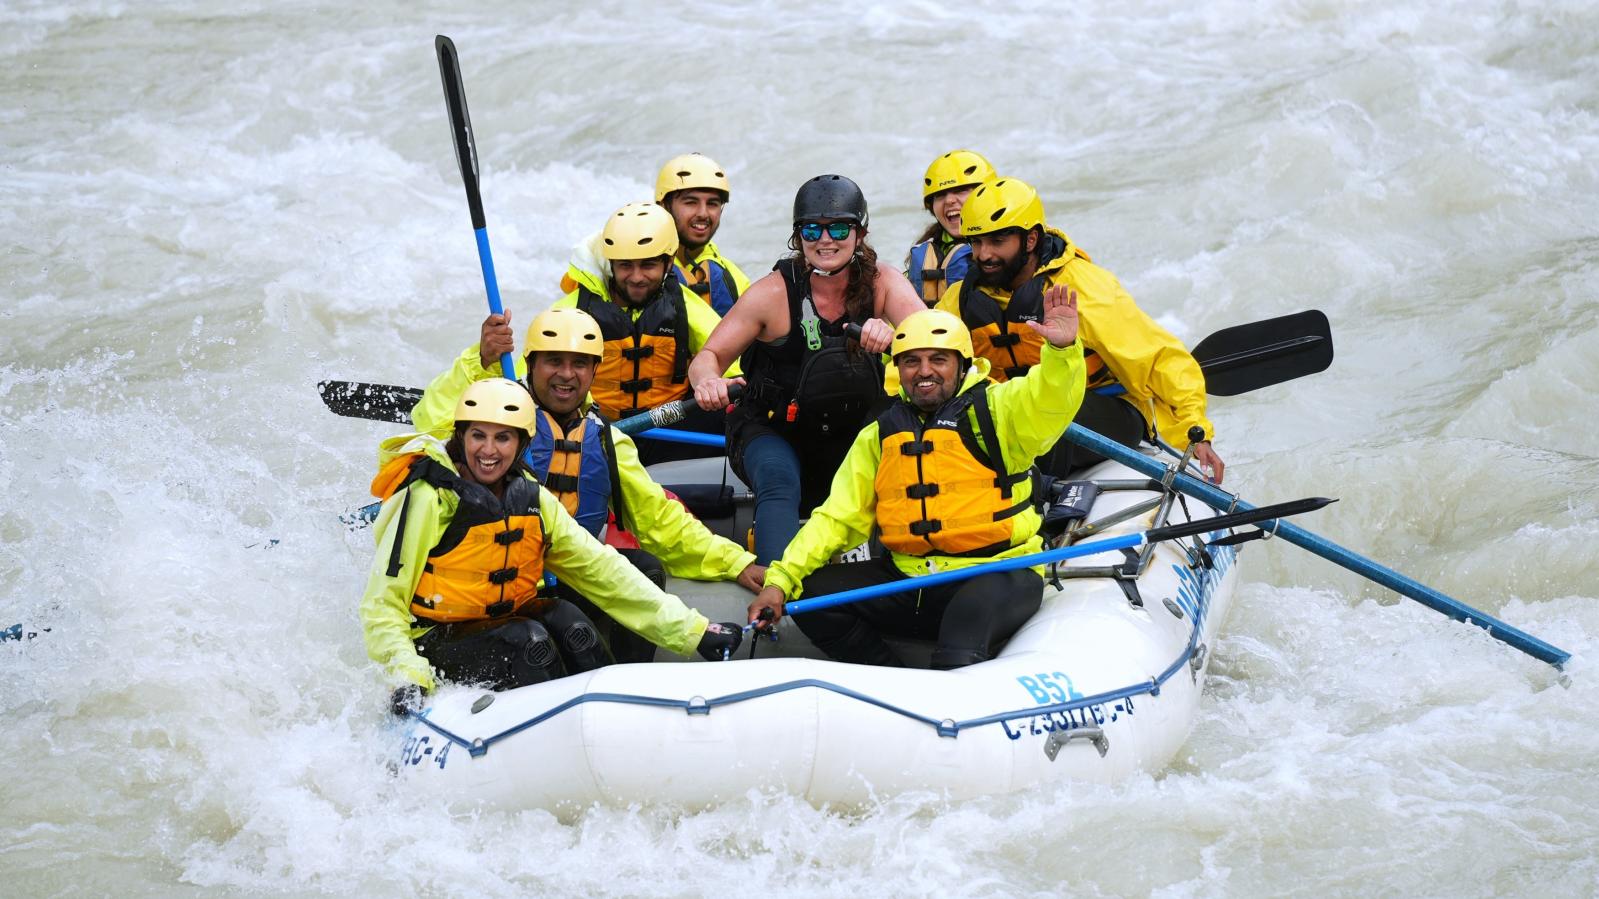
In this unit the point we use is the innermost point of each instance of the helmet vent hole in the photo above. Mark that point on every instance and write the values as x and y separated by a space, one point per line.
998 214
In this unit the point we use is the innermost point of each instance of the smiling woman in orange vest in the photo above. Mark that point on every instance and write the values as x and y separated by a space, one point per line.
590 466
464 539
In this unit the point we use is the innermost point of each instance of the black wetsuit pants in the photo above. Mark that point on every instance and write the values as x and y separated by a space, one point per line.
970 619
514 652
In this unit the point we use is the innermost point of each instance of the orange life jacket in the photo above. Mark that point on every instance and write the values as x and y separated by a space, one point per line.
646 360
999 336
938 490
489 563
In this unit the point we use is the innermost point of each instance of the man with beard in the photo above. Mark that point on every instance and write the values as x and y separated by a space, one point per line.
592 469
652 325
694 189
945 477
1141 379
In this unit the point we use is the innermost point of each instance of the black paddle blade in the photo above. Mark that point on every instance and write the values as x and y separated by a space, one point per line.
1248 357
460 125
377 402
1236 519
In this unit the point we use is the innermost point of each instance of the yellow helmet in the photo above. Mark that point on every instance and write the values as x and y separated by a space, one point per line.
688 172
565 330
1001 203
957 168
497 401
640 231
931 329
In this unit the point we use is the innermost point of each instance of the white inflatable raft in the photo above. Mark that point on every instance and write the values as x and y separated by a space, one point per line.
1104 681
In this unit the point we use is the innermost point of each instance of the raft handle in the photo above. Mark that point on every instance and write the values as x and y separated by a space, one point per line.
1059 738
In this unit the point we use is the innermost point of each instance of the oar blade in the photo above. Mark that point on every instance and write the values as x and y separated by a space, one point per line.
460 125
1259 354
374 402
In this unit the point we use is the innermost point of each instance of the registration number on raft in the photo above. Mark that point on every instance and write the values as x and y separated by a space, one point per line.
1052 687
420 748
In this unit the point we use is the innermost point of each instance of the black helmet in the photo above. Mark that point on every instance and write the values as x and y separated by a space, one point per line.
830 197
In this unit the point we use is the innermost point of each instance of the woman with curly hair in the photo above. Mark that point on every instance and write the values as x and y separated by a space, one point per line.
809 387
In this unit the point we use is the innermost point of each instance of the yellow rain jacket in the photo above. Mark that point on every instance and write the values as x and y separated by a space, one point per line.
1030 414
1161 377
664 528
570 553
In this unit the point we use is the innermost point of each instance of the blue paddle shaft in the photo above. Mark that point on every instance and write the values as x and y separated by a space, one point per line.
674 436
1328 550
1093 547
492 284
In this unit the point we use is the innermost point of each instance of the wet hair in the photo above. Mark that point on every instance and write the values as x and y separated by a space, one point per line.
860 293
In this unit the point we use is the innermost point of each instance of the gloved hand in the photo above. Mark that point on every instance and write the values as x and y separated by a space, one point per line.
406 700
721 640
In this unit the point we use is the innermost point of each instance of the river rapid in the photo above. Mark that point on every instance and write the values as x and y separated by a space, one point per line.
207 208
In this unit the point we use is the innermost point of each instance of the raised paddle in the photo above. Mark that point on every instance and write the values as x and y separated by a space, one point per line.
1078 550
1325 548
466 159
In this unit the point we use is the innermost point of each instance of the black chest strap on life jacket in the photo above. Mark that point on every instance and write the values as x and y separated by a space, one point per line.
476 505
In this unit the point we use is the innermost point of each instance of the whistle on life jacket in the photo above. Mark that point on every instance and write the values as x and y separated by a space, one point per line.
792 412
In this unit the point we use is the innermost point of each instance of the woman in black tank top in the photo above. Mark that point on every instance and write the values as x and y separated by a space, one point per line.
809 387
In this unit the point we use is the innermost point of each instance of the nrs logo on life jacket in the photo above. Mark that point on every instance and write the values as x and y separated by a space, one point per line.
938 490
646 360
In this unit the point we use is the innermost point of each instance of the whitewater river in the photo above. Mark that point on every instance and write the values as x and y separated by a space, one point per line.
206 208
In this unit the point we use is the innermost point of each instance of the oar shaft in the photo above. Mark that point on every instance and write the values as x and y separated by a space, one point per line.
921 582
690 437
492 284
1328 550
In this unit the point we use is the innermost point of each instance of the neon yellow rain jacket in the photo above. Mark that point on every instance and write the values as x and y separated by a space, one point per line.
686 547
570 553
1029 414
1162 379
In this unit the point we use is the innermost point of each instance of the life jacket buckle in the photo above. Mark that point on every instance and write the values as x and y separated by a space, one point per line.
923 528
1009 338
506 538
813 334
568 446
916 447
496 609
503 575
921 491
637 352
636 385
